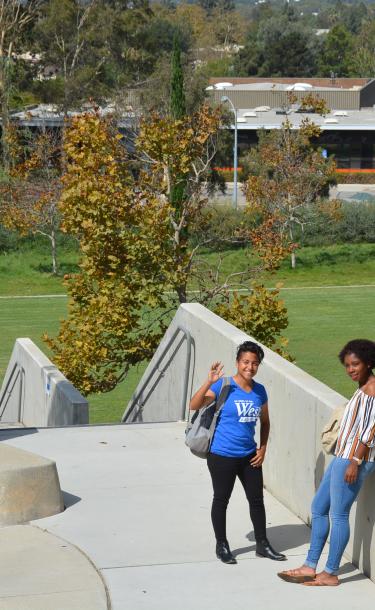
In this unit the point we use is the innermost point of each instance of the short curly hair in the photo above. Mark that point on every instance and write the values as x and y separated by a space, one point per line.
250 346
364 349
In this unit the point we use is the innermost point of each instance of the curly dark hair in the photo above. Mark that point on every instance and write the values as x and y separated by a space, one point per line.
364 349
250 346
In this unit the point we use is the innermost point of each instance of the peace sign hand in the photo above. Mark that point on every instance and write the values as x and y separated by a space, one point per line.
215 372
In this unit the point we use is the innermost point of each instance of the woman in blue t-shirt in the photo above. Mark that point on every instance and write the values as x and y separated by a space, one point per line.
234 451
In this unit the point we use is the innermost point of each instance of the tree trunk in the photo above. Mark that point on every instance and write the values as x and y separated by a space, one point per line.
54 252
293 255
181 292
5 120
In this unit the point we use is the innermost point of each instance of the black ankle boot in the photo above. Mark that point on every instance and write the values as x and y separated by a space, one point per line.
223 553
264 549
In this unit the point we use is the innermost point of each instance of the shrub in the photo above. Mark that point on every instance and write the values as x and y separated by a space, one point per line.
356 224
261 314
228 173
355 177
9 240
341 176
222 225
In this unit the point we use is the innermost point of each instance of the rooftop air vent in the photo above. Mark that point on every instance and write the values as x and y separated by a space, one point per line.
340 113
330 121
262 108
299 87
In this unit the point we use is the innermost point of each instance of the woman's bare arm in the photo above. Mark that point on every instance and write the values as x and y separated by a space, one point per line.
204 395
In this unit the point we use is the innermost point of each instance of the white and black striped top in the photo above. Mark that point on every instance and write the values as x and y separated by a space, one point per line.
358 425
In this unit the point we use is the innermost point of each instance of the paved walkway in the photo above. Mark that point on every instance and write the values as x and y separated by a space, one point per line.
138 506
39 571
353 192
345 192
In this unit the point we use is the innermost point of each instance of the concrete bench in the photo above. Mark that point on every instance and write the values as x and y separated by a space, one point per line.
29 486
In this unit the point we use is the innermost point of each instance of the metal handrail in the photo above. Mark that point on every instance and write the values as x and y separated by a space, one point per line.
16 371
136 402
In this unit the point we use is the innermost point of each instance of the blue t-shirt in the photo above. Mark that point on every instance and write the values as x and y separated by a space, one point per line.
235 430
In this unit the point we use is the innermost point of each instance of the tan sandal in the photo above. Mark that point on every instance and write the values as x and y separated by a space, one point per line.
295 576
319 583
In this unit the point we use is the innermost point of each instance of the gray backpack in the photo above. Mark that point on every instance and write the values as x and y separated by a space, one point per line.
201 428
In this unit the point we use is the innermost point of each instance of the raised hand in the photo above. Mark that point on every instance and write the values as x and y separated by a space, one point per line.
215 372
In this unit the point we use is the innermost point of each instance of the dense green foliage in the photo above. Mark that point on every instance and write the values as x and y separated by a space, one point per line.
71 51
282 40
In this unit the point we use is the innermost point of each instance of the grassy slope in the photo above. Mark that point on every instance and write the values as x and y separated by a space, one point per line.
26 272
320 319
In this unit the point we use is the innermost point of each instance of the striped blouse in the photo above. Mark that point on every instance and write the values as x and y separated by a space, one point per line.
358 425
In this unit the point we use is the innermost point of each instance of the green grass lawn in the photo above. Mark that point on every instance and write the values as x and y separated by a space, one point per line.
321 319
27 271
316 266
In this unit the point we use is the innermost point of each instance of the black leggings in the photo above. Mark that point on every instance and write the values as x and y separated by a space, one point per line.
223 472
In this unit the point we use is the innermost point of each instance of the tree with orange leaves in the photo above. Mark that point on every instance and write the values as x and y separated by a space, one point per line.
30 195
289 179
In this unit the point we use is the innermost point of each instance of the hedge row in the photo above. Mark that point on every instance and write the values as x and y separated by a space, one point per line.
341 177
355 178
356 224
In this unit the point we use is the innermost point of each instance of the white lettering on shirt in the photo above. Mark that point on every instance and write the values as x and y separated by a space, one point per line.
247 411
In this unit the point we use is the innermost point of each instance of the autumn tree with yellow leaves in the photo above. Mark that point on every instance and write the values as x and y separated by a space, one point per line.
137 263
117 300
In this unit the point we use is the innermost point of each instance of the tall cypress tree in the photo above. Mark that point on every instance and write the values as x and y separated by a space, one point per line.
178 105
178 111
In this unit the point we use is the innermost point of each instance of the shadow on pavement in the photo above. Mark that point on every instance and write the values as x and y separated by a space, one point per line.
285 537
69 499
9 433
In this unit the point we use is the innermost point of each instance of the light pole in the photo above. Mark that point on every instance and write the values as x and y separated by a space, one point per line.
224 98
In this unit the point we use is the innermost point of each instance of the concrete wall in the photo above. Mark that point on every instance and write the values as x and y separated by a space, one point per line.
36 393
299 407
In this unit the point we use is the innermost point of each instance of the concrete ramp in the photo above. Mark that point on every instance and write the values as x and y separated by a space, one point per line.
35 393
299 407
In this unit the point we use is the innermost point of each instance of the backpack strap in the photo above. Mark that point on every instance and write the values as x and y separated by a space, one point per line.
224 391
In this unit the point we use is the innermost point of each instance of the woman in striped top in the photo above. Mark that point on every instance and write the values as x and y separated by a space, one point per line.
354 461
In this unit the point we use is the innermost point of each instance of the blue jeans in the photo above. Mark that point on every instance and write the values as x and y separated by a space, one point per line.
333 500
